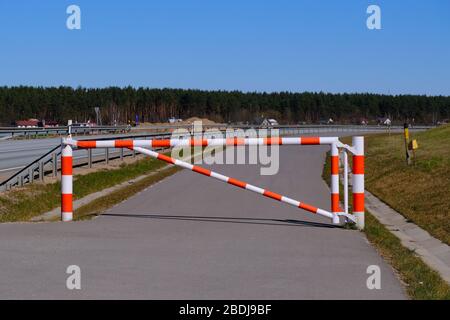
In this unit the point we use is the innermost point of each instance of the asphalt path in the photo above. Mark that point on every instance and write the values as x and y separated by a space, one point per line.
191 237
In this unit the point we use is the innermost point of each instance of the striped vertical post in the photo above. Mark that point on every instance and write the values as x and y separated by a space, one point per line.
335 209
358 181
66 183
345 181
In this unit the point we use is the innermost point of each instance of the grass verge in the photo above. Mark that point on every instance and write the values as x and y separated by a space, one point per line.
419 192
422 282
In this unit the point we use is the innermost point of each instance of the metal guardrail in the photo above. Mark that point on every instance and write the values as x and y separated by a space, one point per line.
38 169
29 171
63 130
341 128
291 128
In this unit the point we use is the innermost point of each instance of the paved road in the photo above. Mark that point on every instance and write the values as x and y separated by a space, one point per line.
190 237
15 154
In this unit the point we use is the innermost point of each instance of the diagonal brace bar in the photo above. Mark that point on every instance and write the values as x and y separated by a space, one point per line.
235 182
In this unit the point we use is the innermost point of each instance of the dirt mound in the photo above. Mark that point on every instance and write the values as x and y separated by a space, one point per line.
205 121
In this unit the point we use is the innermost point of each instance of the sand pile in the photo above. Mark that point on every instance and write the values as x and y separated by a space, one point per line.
205 121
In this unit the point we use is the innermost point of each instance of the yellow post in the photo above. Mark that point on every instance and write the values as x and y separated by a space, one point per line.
406 133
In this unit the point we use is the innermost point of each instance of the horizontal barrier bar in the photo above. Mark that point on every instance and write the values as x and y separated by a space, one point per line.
167 143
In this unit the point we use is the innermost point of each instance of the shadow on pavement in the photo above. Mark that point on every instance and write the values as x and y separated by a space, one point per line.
241 220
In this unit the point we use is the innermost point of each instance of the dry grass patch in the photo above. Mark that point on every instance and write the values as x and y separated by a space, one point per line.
421 192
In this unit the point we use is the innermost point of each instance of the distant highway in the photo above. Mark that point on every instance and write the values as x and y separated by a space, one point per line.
16 154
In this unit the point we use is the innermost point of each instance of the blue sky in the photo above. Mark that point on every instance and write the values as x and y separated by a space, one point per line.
248 45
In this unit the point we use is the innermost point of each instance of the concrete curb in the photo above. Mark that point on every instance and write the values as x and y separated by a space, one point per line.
432 251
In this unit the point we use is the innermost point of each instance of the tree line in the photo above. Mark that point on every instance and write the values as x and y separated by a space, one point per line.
121 105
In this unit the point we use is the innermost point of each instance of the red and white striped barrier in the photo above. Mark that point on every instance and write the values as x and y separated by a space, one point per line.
66 183
139 145
168 143
334 185
358 180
